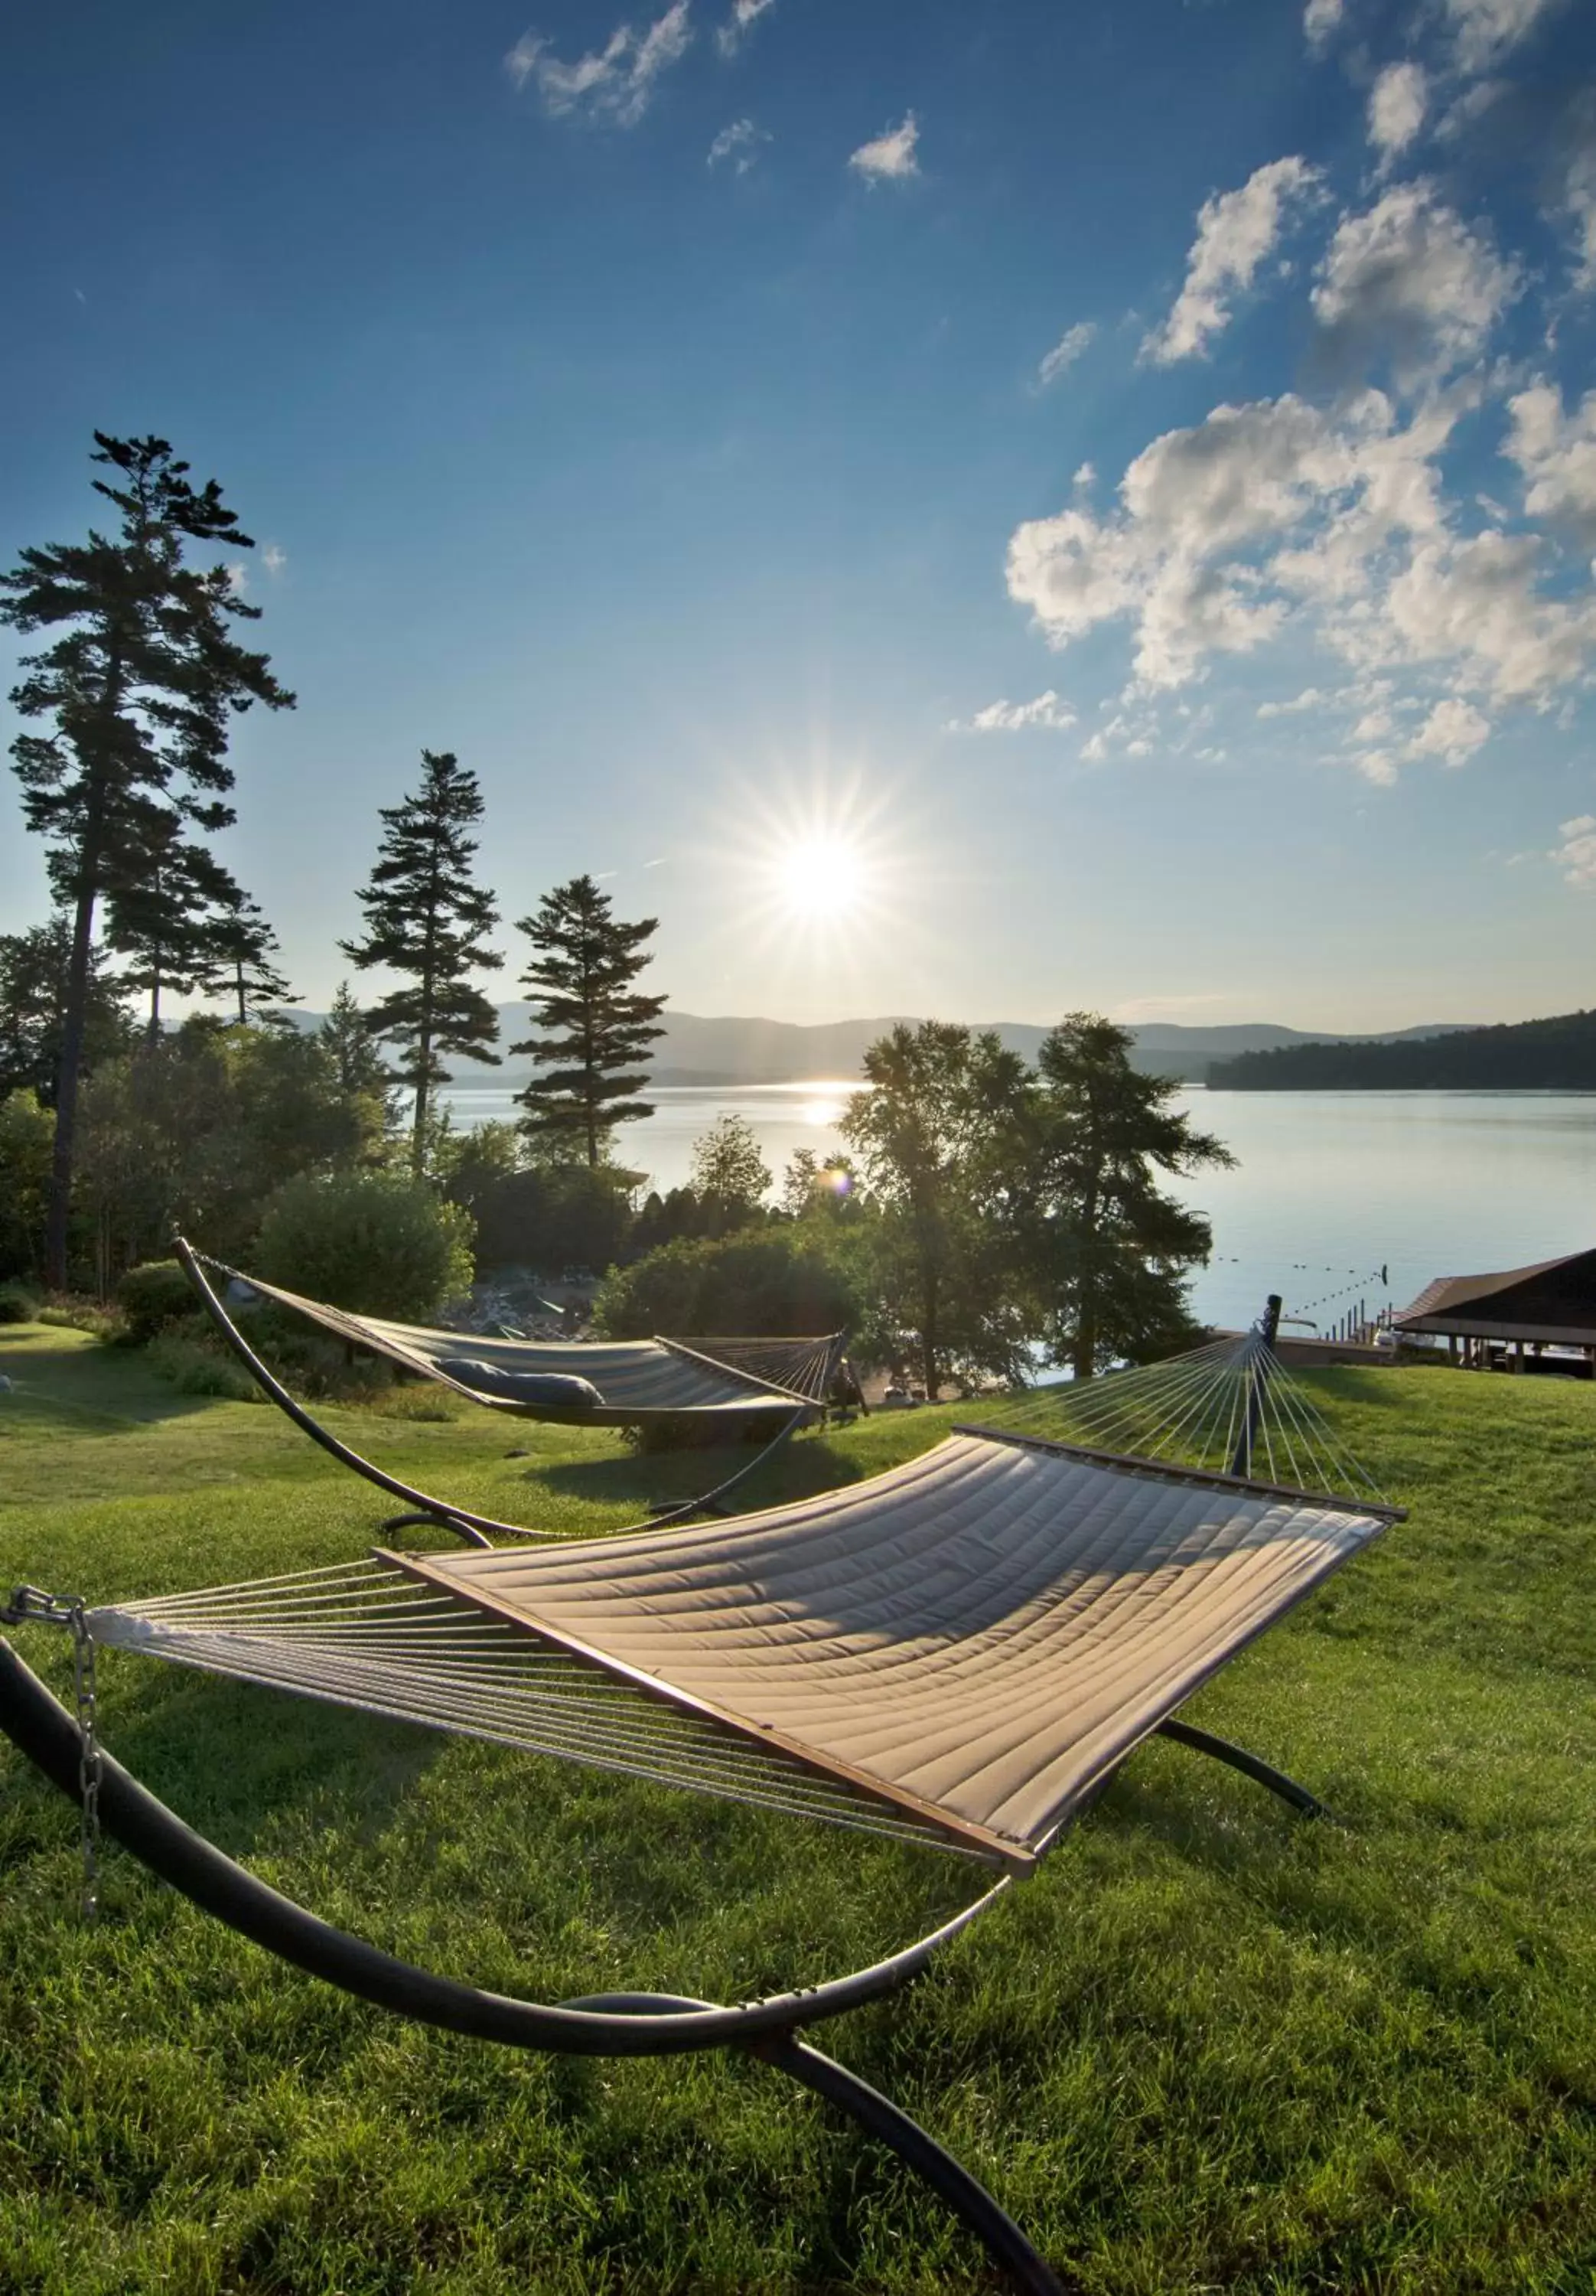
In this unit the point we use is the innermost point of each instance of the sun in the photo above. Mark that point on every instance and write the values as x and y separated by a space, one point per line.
820 878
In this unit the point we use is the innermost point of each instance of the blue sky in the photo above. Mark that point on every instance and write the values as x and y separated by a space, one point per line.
1119 481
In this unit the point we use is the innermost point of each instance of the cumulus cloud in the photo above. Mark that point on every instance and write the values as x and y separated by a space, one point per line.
745 14
1235 231
1321 22
1477 603
1016 717
890 157
1282 512
1408 283
1557 454
615 82
1577 854
238 577
1453 732
739 143
1310 698
1065 352
1396 103
1484 30
273 559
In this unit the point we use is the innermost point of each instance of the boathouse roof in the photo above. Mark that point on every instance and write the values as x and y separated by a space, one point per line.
1553 1301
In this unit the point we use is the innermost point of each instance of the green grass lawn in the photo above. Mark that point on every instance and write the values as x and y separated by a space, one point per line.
1209 2046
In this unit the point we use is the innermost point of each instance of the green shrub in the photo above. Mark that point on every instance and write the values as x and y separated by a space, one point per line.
759 1282
370 1241
194 1366
18 1305
85 1315
153 1296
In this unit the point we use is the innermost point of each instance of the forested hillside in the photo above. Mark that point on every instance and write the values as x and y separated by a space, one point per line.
1558 1054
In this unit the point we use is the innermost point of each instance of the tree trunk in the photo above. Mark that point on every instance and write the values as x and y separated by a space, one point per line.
930 1336
1084 1360
71 1053
238 975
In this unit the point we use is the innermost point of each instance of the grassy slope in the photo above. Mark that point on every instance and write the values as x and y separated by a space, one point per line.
1210 2046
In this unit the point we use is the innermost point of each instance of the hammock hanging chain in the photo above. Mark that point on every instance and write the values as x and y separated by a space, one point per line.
33 1604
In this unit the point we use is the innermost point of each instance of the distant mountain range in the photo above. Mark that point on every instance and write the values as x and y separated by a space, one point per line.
696 1050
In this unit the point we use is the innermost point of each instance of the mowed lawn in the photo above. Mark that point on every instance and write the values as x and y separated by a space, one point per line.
1210 2046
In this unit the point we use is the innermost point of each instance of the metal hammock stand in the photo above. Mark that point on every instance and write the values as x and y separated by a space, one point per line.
810 1364
959 1654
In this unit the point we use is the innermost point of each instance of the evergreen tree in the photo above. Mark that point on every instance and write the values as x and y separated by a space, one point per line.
1110 1249
595 1025
140 688
240 949
161 908
33 969
425 917
346 1038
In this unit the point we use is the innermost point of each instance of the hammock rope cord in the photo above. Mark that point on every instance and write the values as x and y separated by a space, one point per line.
366 1635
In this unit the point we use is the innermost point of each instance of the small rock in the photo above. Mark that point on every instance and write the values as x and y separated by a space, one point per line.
522 1454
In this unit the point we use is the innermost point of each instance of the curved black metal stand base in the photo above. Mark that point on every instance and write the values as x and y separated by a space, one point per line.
1204 1742
616 2024
630 2025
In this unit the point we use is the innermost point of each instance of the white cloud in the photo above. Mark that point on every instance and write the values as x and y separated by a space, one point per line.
1453 732
1065 352
1576 855
1408 281
1379 766
1016 717
1557 454
1484 30
273 559
890 157
1396 103
1235 231
238 577
1474 603
739 143
1321 22
745 14
615 82
1280 513
1310 698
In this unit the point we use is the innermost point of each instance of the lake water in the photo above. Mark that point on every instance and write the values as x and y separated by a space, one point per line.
1328 1188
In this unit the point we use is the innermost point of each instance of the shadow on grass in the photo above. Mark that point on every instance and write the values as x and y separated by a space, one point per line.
235 1761
76 1390
802 1469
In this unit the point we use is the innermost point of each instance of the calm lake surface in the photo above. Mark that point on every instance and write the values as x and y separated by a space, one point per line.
1330 1187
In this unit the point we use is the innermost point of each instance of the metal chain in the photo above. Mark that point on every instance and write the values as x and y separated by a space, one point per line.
90 1761
32 1605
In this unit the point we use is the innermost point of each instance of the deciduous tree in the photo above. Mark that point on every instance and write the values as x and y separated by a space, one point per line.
138 692
937 1138
33 969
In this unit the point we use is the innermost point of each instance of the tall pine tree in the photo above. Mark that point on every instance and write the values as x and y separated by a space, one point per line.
239 961
1111 1251
162 906
140 689
425 918
594 1024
